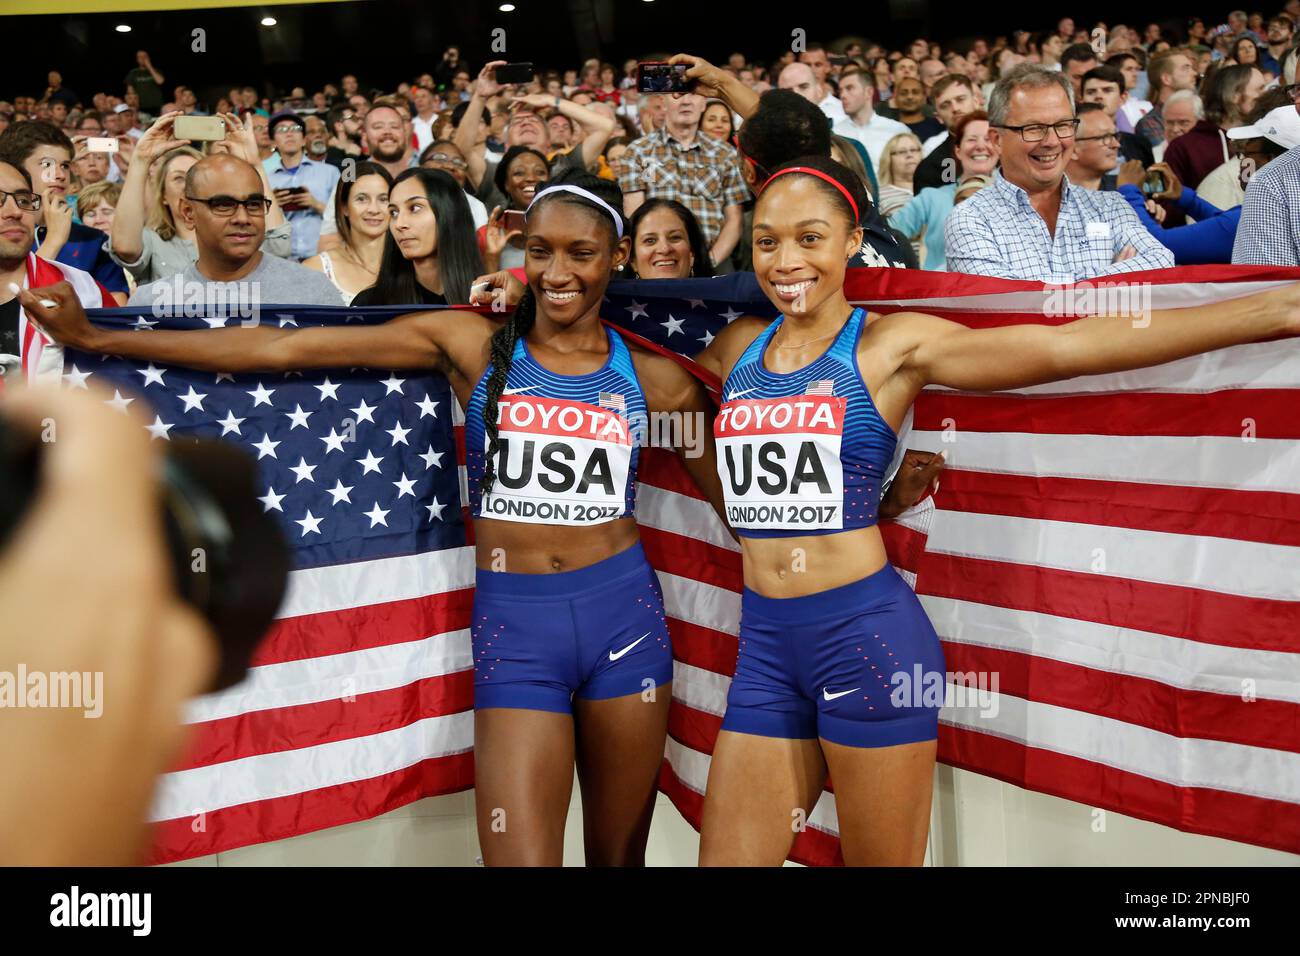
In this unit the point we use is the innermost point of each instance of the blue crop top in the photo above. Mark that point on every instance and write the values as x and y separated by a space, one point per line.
804 452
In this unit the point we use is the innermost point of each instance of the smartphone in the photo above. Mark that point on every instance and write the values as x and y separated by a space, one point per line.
515 73
837 60
210 129
101 144
513 219
1154 183
661 77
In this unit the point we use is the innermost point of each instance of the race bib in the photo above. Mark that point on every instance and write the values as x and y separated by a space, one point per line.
779 460
558 462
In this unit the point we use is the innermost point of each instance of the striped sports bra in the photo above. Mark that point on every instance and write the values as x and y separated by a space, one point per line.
802 452
568 444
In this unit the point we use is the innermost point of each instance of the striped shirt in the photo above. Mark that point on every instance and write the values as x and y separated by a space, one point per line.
1269 230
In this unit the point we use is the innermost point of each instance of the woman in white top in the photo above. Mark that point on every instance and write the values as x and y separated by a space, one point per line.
898 162
361 216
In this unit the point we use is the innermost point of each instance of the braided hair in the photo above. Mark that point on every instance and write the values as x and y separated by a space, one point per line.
524 316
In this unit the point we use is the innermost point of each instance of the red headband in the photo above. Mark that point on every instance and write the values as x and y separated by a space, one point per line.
857 216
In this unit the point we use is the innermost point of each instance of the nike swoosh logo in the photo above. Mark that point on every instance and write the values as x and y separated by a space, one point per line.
614 657
744 391
827 695
516 391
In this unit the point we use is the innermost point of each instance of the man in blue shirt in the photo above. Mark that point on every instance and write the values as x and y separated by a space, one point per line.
302 186
45 152
1031 222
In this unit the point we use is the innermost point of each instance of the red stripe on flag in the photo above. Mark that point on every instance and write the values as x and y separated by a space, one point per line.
1227 620
694 728
690 557
1218 413
323 722
1143 701
375 625
703 647
278 818
1268 517
1233 816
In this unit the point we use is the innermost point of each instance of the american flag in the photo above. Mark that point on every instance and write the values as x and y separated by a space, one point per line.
1122 551
359 699
1159 678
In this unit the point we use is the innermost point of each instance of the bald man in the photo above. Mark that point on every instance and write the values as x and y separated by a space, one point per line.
800 78
226 206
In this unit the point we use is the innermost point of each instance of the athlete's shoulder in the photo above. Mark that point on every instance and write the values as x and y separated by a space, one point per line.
668 385
730 343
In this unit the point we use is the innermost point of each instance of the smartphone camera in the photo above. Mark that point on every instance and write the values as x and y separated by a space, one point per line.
1153 184
662 77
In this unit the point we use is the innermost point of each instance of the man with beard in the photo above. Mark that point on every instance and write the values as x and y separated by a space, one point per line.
20 267
955 96
385 137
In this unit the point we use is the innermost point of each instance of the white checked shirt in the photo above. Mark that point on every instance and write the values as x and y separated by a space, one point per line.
1268 233
997 232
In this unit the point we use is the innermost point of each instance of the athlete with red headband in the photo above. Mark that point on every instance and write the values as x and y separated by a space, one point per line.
811 406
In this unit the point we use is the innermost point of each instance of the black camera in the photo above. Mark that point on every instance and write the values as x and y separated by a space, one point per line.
229 559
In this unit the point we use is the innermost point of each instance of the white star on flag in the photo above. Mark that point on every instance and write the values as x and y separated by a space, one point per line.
432 458
271 500
303 470
731 315
193 400
369 463
261 395
393 384
363 411
333 441
76 378
428 407
265 447
159 428
152 375
696 303
406 486
286 320
708 338
435 510
230 423
637 309
118 402
224 377
215 323
297 416
377 516
328 390
340 492
310 523
673 325
399 434
142 323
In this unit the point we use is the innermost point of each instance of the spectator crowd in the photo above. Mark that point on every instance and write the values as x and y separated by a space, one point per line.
1080 151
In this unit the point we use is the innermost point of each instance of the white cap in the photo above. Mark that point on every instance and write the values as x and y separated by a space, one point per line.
1281 125
122 107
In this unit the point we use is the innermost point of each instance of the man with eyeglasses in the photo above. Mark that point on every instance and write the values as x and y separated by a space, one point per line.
1096 148
443 154
227 208
1031 222
24 352
302 185
1269 230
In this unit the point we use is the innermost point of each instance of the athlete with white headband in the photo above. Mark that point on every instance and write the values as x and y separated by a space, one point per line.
811 405
572 657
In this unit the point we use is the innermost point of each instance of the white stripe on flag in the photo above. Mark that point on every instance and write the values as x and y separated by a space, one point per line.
362 583
681 514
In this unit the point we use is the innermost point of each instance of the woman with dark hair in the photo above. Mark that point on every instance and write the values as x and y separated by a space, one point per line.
519 175
667 242
571 650
815 687
430 257
1229 95
717 121
1245 52
361 216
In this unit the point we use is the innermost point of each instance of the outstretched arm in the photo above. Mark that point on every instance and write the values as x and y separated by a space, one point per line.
939 352
420 340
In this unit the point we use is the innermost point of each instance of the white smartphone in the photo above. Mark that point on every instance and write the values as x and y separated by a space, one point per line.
101 144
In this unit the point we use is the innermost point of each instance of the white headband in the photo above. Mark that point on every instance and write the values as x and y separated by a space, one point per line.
585 194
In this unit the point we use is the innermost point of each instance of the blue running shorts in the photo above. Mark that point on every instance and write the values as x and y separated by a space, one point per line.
597 632
841 664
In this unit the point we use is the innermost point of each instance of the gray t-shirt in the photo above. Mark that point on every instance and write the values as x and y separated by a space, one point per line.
273 282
